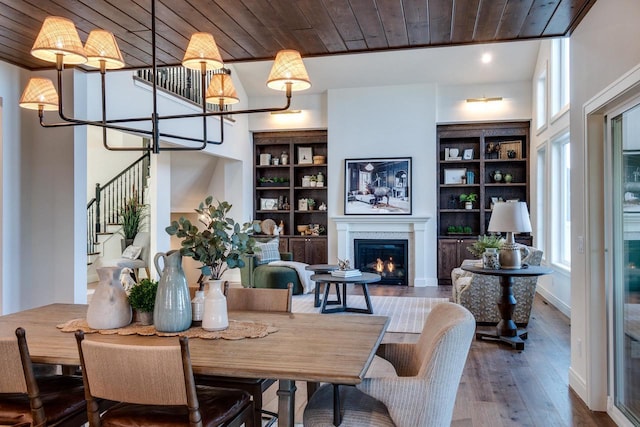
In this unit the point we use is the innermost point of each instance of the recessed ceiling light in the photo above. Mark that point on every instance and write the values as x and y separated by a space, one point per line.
486 58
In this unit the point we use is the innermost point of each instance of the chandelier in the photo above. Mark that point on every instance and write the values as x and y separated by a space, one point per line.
59 42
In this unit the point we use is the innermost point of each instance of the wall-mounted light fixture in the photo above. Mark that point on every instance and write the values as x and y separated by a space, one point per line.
58 42
286 112
484 99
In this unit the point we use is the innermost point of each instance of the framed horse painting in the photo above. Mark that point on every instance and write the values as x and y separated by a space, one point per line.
377 186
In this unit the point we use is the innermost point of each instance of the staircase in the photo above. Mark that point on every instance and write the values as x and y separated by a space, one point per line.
103 210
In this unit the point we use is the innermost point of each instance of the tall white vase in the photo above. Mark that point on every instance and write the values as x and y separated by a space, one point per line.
109 307
214 316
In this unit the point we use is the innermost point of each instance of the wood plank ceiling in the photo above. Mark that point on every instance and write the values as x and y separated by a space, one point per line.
257 29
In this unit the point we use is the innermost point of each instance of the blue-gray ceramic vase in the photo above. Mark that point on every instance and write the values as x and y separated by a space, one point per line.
172 311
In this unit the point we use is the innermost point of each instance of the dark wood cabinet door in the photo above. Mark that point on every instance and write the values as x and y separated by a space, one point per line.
298 247
308 249
447 259
317 251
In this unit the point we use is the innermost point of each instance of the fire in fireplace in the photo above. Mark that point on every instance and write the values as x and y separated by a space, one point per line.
386 257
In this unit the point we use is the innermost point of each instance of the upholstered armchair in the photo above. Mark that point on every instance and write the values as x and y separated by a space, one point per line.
134 257
479 293
257 273
419 387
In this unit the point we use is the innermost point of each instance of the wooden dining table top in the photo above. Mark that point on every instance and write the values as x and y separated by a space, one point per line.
306 347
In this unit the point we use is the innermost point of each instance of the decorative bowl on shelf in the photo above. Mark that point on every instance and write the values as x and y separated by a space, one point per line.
302 228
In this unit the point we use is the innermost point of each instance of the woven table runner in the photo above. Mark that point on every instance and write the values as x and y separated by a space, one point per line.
237 330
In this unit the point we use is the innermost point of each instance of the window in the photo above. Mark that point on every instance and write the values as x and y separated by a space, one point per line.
561 200
541 101
560 94
541 200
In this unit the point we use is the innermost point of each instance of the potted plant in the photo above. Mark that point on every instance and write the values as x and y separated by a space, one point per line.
310 204
486 241
219 245
132 215
142 298
468 199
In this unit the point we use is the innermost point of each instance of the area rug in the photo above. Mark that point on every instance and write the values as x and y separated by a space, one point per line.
406 314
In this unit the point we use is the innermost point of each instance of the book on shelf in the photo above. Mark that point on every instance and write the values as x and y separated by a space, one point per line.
346 273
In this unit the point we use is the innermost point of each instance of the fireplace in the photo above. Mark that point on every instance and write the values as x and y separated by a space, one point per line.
386 257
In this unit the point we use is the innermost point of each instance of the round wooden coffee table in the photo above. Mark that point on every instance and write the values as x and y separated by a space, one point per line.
363 279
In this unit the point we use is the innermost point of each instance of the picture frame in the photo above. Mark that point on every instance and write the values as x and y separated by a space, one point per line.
454 176
305 155
303 205
378 186
268 204
452 154
467 154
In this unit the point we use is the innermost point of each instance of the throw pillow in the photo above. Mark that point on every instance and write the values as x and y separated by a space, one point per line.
132 252
267 251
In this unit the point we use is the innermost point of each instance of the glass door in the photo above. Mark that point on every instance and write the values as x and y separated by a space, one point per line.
624 261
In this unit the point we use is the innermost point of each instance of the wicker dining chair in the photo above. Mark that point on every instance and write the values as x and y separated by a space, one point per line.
154 385
252 299
27 399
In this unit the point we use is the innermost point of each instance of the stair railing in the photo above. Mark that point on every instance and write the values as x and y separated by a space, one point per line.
109 198
183 82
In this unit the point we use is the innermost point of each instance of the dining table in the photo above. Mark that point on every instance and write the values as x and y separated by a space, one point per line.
307 347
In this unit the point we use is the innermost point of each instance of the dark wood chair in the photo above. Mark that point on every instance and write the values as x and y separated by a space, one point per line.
27 399
252 299
154 385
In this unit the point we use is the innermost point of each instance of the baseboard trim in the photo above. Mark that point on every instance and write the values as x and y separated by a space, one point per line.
578 384
554 301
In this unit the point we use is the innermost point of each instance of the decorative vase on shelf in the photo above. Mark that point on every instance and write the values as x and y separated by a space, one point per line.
172 310
197 308
490 260
109 307
214 316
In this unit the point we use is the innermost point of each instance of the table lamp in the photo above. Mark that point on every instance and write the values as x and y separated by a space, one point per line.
510 217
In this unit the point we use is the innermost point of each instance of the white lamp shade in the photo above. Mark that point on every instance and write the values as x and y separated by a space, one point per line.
510 217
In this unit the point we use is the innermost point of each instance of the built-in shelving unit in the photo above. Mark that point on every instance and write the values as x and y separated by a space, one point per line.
281 189
469 155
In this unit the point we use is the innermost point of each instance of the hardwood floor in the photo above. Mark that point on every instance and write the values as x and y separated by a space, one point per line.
504 387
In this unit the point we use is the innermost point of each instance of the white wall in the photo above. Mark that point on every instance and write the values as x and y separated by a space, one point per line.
405 126
515 104
12 80
600 54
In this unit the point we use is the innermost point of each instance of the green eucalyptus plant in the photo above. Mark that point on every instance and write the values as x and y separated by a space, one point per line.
220 244
484 242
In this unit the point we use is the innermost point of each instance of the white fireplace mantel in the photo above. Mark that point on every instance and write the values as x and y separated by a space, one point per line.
412 228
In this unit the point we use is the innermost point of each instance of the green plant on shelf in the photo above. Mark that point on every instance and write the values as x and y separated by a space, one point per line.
471 197
273 180
459 229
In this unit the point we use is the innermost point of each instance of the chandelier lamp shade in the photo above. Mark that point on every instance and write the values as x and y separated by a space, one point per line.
59 42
